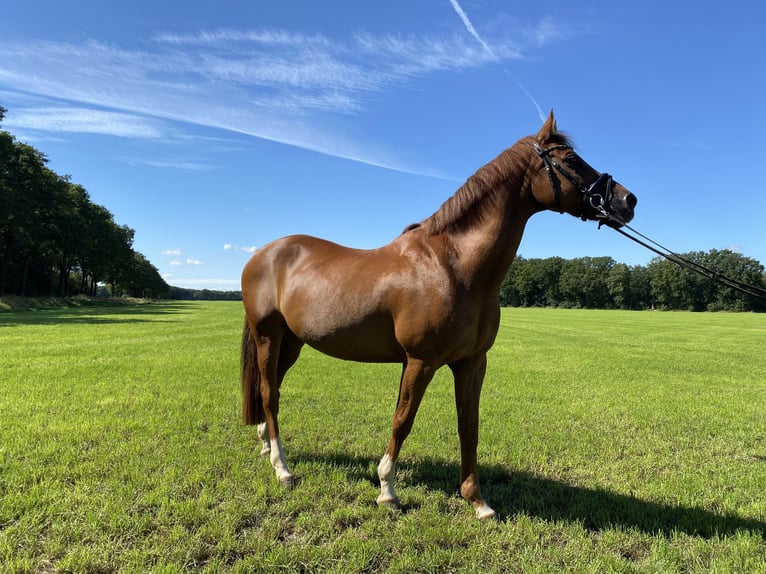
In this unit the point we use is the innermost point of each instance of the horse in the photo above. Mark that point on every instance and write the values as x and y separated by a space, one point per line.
428 298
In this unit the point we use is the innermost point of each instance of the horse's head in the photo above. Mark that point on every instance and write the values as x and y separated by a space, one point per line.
566 183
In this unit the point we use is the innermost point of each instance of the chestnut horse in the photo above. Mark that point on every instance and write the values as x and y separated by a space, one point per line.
427 299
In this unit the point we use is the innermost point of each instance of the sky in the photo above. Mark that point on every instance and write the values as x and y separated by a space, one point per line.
212 128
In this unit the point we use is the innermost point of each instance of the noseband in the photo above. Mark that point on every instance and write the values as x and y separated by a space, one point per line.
597 195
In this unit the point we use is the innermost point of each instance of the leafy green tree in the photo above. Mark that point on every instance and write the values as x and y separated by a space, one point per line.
619 283
142 279
54 239
23 207
741 268
533 282
583 282
640 288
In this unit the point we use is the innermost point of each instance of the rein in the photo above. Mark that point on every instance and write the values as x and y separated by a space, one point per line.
600 193
748 289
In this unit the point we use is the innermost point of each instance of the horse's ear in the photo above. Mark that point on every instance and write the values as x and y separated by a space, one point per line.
548 130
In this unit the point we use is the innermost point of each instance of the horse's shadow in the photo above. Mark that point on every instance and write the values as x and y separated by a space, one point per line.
523 493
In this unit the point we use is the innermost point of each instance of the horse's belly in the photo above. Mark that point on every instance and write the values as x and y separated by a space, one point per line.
368 340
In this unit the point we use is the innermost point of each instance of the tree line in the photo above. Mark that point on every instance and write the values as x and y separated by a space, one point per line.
603 283
55 241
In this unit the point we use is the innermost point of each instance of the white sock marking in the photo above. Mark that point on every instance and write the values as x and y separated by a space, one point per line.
278 460
263 434
387 473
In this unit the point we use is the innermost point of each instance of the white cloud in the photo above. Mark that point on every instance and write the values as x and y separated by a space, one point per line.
271 84
235 247
193 262
175 262
171 252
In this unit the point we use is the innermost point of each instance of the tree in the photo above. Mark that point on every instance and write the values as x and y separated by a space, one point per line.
619 284
736 266
532 282
599 282
583 282
143 280
54 239
107 245
23 181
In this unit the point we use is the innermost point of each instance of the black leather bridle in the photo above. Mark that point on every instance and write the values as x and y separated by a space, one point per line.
597 195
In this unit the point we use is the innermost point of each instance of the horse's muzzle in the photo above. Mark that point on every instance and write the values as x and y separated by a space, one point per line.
615 203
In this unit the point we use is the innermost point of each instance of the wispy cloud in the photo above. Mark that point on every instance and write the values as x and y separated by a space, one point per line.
85 120
171 163
272 84
171 252
546 31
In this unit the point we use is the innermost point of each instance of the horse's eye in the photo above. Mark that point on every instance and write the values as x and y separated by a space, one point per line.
572 160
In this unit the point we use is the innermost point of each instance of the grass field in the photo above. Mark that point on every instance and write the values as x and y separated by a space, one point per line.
610 442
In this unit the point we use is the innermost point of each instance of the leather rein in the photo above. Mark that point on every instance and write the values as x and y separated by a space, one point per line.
600 193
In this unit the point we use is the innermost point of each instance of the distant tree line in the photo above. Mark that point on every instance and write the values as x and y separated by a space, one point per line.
185 294
55 241
602 283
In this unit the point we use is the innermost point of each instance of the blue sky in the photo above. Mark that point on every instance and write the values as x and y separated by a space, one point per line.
213 128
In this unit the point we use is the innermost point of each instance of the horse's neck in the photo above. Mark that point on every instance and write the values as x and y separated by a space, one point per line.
485 249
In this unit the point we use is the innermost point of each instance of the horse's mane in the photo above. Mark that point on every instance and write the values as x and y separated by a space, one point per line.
477 194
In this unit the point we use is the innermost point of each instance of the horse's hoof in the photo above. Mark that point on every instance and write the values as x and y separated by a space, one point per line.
484 512
390 503
287 482
265 450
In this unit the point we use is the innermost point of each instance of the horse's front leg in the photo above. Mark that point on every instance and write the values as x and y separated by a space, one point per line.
469 376
416 375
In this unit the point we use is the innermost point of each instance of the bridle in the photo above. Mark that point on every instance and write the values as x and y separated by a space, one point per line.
597 195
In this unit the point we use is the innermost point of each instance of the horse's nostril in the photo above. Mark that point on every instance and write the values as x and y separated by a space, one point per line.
631 200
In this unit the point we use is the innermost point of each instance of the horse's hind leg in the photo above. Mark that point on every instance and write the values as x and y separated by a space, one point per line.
263 434
289 350
276 354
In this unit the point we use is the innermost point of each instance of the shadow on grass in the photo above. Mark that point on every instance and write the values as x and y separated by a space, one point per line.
594 509
92 313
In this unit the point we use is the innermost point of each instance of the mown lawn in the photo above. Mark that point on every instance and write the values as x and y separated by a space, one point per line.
610 441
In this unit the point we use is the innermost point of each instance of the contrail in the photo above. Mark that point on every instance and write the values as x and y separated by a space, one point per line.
472 31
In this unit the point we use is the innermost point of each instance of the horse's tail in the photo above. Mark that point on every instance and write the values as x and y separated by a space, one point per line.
252 402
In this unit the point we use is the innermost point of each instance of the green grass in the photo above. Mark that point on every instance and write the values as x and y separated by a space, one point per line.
610 441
